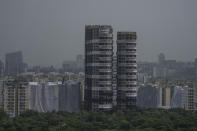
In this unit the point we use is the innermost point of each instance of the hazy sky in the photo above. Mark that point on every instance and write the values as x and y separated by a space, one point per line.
50 31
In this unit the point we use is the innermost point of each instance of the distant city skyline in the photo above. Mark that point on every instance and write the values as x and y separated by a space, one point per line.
49 32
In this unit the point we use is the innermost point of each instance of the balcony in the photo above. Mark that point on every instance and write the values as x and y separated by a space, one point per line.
131 94
105 47
105 58
104 82
105 70
127 89
99 64
126 41
129 82
127 76
99 76
101 89
100 53
105 106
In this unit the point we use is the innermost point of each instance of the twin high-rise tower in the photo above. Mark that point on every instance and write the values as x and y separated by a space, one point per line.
99 69
126 70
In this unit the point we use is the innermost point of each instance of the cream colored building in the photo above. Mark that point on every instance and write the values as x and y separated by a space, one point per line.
165 97
16 97
191 101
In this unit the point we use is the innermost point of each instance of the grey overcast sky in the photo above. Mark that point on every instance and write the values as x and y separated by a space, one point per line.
51 31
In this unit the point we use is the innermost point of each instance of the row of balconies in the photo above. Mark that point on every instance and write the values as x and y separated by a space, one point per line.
99 71
128 86
97 47
126 53
104 82
104 58
126 46
126 41
128 62
131 94
104 70
127 58
102 88
128 82
127 76
99 76
99 64
104 106
98 61
127 70
100 53
99 41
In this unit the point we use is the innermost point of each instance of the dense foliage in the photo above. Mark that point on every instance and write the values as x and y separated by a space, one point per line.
139 120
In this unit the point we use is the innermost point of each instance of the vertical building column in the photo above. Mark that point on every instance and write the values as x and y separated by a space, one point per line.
126 70
98 67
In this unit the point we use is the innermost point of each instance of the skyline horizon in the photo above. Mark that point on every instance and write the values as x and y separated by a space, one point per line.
58 65
49 32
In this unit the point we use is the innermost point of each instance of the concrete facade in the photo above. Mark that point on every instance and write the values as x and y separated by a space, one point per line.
98 67
16 97
126 70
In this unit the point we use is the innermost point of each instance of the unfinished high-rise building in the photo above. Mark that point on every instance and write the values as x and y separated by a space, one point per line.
98 67
126 70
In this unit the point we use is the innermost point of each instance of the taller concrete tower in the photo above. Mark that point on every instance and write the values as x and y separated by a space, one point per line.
98 67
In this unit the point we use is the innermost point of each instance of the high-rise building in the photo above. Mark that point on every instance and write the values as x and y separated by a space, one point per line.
179 95
149 96
166 97
70 96
14 63
98 67
1 94
80 63
44 97
161 59
1 69
195 62
16 97
114 80
69 66
126 70
191 101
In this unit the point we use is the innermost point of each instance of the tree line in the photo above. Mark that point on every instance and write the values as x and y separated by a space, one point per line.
138 120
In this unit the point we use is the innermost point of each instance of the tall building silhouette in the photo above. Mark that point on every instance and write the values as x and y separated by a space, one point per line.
98 67
161 59
114 79
126 70
14 63
1 69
